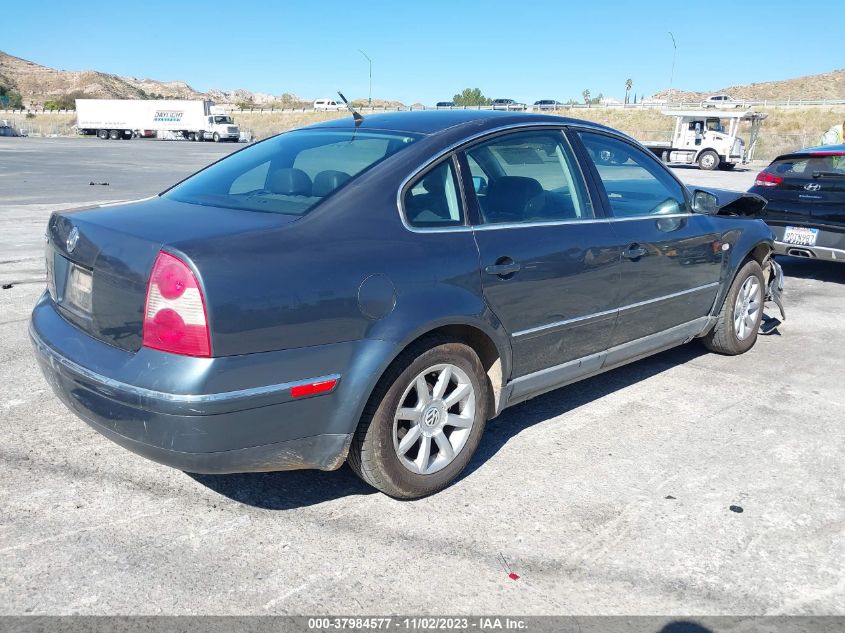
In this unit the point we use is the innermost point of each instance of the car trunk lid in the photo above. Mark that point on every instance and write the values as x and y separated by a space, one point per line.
809 187
99 260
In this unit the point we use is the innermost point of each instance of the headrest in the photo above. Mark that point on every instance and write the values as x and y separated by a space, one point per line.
327 181
514 195
434 182
289 181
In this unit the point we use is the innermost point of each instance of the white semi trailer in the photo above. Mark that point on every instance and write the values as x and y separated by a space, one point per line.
128 118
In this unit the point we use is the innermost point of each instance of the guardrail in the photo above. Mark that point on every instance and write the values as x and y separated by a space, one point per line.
646 105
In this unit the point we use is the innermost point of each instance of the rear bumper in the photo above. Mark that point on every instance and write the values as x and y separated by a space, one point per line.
829 246
812 252
196 414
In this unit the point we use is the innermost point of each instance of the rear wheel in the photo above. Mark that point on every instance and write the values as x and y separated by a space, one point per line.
739 319
727 166
103 134
423 422
708 160
114 135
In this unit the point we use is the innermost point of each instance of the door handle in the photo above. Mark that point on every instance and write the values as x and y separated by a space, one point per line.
503 267
634 251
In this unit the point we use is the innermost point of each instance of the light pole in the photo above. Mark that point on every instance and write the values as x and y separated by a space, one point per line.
370 61
672 76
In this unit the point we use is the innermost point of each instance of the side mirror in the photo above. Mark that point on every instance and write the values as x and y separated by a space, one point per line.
704 202
479 183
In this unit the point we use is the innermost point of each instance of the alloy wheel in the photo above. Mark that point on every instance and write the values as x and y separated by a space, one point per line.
434 419
747 308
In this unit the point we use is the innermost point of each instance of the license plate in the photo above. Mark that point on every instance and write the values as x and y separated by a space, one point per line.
78 292
800 236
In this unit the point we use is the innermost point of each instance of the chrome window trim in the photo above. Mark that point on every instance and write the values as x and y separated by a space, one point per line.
518 225
456 146
557 324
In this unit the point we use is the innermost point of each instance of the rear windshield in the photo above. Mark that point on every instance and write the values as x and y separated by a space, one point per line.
290 173
809 167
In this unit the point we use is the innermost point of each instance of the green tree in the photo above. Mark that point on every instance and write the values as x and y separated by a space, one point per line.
66 101
10 98
629 83
586 95
471 97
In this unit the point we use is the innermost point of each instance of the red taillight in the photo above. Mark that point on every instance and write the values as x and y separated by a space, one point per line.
311 389
174 317
765 179
827 153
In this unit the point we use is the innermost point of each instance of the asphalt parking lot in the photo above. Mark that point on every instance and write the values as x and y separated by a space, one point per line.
611 496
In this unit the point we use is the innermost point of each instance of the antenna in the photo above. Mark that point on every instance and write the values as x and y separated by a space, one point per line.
355 114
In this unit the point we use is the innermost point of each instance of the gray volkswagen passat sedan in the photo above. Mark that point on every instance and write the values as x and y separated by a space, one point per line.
378 290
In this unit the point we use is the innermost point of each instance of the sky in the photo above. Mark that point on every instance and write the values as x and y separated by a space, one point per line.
428 50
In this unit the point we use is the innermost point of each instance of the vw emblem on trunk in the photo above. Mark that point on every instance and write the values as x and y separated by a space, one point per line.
72 239
813 186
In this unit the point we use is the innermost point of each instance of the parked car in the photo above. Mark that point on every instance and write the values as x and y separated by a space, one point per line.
548 104
507 104
445 104
311 299
8 129
329 105
806 202
721 101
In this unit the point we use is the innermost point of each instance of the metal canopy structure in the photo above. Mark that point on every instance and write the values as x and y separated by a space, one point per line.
711 113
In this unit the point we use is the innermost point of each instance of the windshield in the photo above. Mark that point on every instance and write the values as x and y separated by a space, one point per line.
223 119
290 173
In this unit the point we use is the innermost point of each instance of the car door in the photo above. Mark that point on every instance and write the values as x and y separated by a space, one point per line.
549 262
671 258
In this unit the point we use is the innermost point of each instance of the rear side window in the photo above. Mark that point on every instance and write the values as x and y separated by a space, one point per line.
290 173
528 177
635 183
434 199
809 167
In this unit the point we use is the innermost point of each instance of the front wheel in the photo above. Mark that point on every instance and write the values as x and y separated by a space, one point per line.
216 137
739 319
423 422
708 160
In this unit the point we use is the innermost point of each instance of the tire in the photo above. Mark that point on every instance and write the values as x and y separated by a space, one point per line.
708 160
113 135
103 134
727 166
376 454
216 137
727 337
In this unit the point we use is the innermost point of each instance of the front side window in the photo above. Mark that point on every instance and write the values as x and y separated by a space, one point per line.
434 200
528 177
635 183
290 173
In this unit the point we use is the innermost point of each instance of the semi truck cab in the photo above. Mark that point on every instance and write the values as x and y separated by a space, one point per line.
219 127
708 140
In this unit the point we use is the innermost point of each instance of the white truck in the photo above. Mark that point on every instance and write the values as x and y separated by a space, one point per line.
709 139
130 118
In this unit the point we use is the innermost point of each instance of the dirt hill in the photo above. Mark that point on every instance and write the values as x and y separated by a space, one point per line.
38 83
825 86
